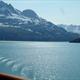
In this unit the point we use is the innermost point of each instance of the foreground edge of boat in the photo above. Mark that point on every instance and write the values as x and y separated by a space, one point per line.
4 76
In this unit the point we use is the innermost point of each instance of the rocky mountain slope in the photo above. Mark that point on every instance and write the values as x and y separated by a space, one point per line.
28 26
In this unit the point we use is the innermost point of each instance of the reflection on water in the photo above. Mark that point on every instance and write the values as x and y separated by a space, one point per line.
41 60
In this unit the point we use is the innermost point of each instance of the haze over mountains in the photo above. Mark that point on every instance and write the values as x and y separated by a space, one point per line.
71 28
28 26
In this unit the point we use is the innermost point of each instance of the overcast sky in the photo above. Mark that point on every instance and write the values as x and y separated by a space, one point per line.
57 11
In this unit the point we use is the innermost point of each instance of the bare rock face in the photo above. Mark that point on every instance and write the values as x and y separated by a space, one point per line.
29 13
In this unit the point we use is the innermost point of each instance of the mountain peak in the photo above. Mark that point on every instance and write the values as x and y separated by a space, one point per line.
2 3
30 13
4 9
7 9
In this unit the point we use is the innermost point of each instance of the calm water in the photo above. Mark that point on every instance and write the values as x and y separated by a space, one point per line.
41 60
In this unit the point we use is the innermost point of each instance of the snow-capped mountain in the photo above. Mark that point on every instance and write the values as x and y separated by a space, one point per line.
27 25
71 28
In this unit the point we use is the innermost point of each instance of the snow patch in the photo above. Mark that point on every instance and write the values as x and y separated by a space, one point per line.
30 30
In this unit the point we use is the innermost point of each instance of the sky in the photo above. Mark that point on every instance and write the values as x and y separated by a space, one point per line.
56 11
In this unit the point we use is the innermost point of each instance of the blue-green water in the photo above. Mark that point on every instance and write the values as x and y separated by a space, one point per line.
41 60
